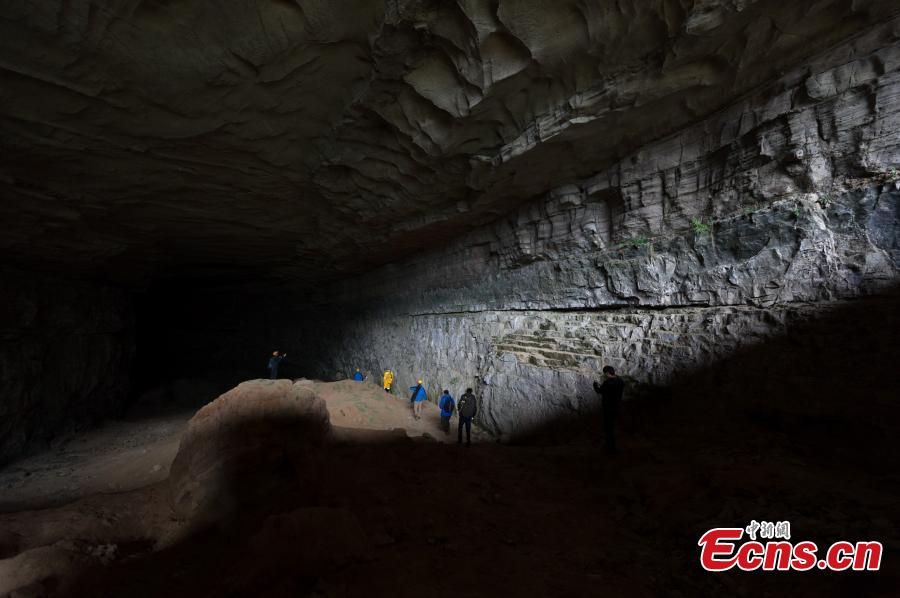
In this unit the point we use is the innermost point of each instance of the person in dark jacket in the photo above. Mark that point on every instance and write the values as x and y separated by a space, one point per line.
467 409
274 362
447 405
611 393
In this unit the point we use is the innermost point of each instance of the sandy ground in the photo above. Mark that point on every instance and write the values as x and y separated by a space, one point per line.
118 456
356 407
134 453
415 517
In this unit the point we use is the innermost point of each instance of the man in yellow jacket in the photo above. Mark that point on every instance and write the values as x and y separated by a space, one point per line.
387 380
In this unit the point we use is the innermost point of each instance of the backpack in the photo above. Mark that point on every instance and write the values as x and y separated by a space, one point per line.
448 405
467 406
415 393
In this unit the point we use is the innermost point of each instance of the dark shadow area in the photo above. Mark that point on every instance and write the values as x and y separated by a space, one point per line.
189 333
799 429
193 345
827 389
66 347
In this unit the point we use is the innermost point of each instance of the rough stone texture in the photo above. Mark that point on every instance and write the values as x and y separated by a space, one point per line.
799 194
294 141
699 243
65 353
546 159
533 367
261 430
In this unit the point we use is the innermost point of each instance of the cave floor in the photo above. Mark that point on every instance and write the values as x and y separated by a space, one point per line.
360 409
436 520
115 457
137 451
521 520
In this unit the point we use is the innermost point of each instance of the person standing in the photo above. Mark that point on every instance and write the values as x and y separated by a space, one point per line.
467 409
447 406
274 362
418 398
611 393
387 380
358 376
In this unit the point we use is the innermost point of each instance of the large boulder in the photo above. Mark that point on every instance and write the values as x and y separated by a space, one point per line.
252 446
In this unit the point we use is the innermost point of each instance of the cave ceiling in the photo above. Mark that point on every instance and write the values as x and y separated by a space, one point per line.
275 142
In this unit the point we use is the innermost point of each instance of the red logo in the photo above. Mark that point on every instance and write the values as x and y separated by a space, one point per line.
721 550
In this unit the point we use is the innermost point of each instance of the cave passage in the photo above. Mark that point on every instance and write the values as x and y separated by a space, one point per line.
504 197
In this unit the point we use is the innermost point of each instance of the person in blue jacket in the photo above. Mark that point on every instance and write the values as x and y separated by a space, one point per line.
274 362
418 398
358 376
447 406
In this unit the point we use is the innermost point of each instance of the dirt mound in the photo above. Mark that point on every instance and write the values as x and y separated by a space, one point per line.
253 447
250 466
253 441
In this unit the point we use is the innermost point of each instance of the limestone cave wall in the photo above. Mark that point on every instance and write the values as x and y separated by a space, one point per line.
774 211
66 351
553 186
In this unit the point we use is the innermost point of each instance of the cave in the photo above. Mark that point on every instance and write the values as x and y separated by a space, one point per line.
507 196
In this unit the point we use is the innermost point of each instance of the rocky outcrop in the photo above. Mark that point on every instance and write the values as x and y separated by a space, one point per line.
698 244
786 196
65 356
255 442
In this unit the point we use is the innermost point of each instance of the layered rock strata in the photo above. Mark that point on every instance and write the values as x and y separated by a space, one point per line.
548 161
302 141
772 211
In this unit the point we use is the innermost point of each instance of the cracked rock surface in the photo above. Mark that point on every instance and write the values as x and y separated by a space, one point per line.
497 193
304 140
721 236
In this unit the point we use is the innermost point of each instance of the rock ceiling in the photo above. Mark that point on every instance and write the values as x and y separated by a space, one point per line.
298 141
